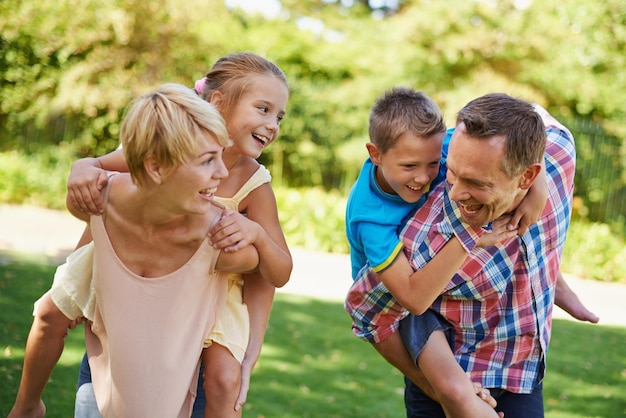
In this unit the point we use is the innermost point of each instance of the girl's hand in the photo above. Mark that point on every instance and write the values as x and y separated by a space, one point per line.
233 232
245 385
501 231
85 184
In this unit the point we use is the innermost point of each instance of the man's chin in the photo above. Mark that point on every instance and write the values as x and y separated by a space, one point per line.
475 218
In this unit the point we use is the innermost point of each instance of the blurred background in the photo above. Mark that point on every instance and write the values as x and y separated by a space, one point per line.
68 68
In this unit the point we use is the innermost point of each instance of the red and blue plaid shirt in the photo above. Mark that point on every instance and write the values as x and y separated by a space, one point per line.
500 302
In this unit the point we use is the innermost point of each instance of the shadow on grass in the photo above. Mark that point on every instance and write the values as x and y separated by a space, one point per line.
23 279
312 365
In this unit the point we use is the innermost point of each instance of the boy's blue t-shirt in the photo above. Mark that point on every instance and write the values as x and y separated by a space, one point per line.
373 219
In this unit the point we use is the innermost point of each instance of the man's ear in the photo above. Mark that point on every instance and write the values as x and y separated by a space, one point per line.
529 176
374 152
153 170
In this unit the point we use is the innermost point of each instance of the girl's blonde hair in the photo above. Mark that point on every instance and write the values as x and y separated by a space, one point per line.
230 76
168 126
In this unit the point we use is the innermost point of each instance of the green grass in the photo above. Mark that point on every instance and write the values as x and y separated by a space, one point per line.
311 364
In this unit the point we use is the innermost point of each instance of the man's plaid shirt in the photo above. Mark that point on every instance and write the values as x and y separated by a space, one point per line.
500 303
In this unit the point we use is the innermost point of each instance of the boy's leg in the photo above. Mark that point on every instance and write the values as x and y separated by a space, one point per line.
44 346
222 379
393 350
452 386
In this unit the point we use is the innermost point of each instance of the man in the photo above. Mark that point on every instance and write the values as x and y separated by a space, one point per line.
500 302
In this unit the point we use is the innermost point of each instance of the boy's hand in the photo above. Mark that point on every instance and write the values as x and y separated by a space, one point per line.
233 232
529 211
484 394
500 232
85 184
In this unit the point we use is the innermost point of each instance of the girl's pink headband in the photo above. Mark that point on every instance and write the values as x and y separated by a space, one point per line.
199 86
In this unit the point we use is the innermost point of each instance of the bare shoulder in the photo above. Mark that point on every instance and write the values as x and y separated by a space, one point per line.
238 176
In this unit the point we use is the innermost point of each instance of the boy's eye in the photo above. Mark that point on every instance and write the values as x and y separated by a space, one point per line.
263 109
279 119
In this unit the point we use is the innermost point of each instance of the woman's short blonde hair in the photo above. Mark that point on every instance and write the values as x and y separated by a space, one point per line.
168 126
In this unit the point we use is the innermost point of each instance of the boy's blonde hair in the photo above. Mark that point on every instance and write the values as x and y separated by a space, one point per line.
401 110
230 75
168 126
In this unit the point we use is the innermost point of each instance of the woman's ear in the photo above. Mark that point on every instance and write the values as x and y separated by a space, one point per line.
374 152
153 170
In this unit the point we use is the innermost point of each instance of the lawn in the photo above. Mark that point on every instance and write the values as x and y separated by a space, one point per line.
311 364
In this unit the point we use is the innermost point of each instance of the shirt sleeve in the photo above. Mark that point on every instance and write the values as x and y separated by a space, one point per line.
381 244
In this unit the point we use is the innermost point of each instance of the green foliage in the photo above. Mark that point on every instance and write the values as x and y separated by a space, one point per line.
313 219
66 81
35 179
592 251
312 365
69 80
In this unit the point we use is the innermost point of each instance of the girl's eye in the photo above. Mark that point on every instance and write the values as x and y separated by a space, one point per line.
208 161
264 109
279 119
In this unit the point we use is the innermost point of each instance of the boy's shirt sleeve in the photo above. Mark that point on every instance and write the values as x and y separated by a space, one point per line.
71 290
446 143
381 244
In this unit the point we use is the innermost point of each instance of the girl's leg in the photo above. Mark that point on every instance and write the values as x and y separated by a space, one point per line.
452 386
222 379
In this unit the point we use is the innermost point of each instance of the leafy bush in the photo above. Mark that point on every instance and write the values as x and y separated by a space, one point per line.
35 179
592 251
311 218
